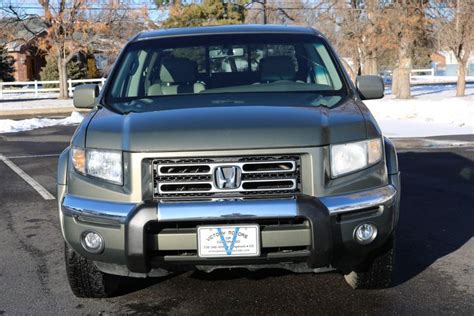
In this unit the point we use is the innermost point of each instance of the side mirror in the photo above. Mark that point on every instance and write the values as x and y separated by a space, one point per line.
84 96
370 87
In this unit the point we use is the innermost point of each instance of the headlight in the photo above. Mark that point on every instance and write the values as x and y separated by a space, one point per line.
350 157
104 164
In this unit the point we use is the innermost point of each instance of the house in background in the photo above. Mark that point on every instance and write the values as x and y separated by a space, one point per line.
445 64
438 60
27 61
28 58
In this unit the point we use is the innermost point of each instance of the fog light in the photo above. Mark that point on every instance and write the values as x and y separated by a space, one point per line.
365 233
92 242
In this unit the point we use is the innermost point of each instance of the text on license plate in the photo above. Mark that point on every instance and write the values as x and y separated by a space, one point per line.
228 241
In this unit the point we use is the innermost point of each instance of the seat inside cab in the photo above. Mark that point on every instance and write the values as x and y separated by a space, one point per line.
195 69
223 64
277 68
176 75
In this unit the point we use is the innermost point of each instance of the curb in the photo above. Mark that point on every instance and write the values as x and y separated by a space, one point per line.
435 142
30 113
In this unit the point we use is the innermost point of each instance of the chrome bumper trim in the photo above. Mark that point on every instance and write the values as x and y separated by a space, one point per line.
219 210
96 211
104 212
360 200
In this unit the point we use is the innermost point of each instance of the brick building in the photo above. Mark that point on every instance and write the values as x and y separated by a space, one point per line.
28 59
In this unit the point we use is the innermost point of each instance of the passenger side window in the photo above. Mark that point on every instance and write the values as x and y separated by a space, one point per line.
130 75
325 72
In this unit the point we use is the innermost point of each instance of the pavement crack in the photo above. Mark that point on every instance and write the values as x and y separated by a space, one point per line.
37 255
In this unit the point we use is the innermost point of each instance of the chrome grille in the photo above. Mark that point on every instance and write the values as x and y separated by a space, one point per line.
258 175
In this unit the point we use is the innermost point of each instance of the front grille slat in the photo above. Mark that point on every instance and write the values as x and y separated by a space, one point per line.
251 176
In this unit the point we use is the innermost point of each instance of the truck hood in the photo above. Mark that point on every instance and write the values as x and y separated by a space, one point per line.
226 127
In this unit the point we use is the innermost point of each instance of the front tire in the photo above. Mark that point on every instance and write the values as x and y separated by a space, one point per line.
85 279
375 273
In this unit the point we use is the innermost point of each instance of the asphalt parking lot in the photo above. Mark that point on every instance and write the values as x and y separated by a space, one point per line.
434 257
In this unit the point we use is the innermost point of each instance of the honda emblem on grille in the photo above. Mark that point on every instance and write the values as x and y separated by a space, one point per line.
227 177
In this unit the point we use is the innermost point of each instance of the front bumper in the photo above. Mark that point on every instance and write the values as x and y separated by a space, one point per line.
315 231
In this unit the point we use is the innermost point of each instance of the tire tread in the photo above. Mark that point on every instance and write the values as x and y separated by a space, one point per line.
85 279
375 274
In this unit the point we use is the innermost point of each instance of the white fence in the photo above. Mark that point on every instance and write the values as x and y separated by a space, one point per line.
416 73
38 87
428 72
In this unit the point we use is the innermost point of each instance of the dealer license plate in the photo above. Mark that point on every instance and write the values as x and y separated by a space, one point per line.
228 241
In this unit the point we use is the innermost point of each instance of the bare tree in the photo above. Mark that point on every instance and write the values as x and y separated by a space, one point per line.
455 31
408 24
362 33
75 26
275 12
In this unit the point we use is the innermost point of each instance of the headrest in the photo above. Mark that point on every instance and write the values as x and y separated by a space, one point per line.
274 68
178 70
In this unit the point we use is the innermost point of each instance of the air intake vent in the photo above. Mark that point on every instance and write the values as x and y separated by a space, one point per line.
226 177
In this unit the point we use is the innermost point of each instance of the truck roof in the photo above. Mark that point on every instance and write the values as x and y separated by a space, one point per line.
226 29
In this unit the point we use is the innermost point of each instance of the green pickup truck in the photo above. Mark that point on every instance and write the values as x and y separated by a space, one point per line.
228 147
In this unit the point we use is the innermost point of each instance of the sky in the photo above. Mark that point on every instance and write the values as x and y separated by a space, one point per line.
32 6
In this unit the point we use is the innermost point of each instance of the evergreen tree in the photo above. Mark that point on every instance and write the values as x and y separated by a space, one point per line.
50 70
207 12
6 65
75 69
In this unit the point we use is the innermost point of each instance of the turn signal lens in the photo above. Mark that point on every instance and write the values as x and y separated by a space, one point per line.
79 160
375 150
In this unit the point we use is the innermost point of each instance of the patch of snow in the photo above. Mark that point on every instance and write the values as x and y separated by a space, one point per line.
437 79
433 111
406 128
435 91
12 126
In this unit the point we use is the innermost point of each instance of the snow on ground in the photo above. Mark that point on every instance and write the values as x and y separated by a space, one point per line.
437 79
11 126
433 110
406 128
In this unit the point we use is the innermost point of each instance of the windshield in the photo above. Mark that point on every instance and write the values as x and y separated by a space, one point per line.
224 64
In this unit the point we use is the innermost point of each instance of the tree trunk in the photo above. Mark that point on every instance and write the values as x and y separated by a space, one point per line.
370 66
62 70
404 70
370 60
461 83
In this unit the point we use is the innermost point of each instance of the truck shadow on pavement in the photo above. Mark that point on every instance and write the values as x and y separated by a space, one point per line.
436 216
436 219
